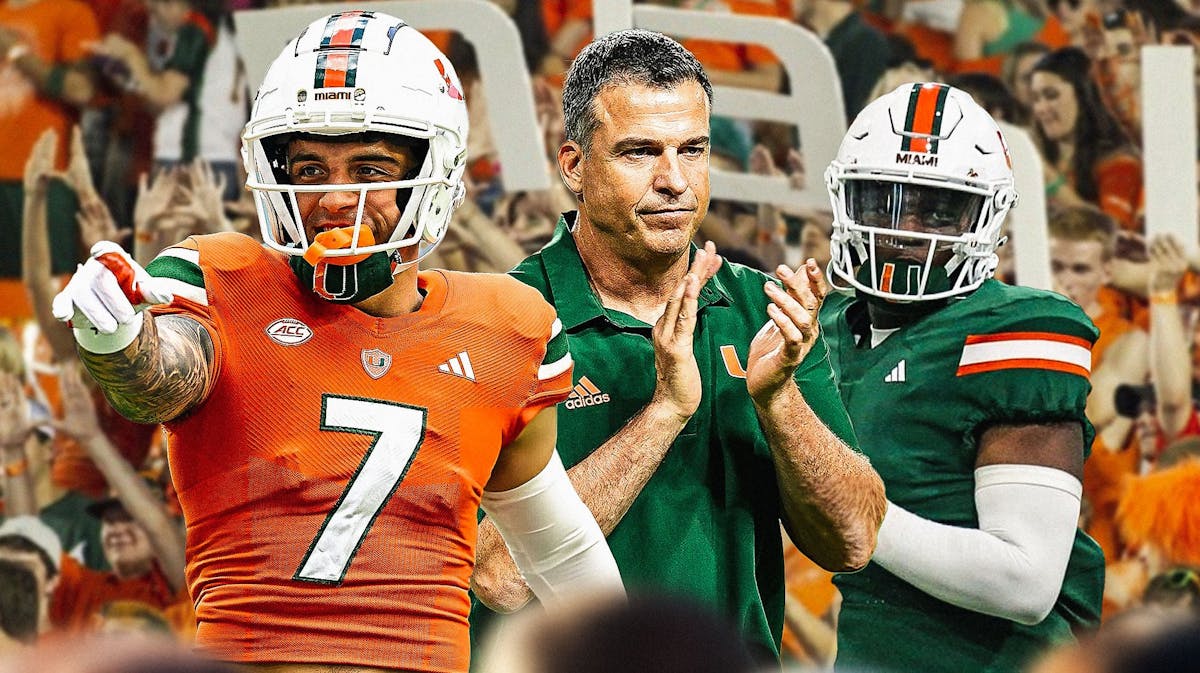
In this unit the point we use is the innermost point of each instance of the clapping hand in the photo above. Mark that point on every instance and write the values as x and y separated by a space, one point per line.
678 376
789 335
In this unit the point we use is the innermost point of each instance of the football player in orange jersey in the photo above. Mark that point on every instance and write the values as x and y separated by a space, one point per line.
335 416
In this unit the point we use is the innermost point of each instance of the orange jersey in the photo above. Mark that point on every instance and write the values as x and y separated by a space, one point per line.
331 480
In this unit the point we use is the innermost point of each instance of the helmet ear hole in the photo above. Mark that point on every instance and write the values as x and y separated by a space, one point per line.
831 180
420 151
1006 198
276 148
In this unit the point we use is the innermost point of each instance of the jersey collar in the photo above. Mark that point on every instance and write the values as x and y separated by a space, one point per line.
576 301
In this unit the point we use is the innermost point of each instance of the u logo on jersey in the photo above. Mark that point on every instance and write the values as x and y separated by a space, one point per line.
732 364
375 362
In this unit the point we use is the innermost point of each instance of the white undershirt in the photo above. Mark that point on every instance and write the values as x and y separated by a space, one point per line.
878 335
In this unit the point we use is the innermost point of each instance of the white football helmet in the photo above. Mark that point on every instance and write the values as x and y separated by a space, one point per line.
920 188
356 72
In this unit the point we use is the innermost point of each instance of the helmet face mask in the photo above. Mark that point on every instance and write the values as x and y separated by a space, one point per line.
919 190
351 74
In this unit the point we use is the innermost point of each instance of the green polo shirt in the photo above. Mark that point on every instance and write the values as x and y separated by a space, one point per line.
707 522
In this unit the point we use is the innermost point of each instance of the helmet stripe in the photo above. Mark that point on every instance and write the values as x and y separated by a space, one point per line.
345 29
925 107
913 97
943 93
336 69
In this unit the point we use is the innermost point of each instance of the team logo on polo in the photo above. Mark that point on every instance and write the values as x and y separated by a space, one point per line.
375 362
585 394
733 366
288 332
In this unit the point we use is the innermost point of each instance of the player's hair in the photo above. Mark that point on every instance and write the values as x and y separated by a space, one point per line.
1085 223
23 545
624 57
18 602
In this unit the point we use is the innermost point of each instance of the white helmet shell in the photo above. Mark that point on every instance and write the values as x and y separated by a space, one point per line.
356 72
921 136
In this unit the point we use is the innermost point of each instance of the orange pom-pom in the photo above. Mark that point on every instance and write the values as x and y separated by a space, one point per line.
1163 509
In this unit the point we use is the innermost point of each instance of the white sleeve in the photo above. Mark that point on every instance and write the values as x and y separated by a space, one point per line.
1013 565
552 536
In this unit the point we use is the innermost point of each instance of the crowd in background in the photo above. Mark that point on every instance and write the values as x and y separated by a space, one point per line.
121 121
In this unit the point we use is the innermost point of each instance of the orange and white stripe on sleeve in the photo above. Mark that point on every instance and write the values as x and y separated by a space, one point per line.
1026 350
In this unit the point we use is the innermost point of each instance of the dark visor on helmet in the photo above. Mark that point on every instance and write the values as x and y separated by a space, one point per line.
917 208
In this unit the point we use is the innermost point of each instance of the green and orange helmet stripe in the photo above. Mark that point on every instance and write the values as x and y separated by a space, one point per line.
926 103
343 31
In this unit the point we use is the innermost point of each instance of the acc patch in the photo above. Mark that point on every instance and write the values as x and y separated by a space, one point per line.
288 332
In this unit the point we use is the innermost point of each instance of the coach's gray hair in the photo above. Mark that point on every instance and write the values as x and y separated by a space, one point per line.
624 57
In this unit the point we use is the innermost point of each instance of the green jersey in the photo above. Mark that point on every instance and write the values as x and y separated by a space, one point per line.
707 522
919 400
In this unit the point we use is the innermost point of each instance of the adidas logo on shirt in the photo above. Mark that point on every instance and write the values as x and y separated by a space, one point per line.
459 365
896 375
585 394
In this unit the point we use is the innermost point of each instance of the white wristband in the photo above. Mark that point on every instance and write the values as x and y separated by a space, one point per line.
92 340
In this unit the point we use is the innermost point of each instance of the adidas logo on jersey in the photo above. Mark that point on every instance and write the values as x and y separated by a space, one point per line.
459 365
585 394
896 375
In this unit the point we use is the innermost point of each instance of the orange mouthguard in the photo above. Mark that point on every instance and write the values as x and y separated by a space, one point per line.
338 239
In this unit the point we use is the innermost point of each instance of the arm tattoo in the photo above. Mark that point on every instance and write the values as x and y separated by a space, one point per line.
165 372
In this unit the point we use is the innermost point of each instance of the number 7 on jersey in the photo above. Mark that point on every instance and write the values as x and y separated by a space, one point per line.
398 431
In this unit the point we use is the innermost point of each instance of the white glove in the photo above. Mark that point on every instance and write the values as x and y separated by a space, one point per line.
104 298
